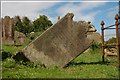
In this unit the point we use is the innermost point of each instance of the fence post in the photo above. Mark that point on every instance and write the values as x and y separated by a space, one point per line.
102 28
117 38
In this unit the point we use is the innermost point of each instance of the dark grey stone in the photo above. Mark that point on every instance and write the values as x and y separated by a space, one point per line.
60 44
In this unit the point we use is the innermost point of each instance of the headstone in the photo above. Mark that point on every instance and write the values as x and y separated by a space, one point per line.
95 36
9 35
110 52
59 44
19 38
7 30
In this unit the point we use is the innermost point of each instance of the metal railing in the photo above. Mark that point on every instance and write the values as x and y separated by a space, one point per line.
117 28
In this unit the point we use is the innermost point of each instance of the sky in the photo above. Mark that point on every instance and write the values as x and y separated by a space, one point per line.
93 11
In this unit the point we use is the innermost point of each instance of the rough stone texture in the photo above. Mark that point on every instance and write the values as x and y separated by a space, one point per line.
19 38
60 44
9 36
110 52
7 30
94 36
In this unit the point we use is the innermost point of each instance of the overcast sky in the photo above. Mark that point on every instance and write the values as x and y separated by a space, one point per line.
94 11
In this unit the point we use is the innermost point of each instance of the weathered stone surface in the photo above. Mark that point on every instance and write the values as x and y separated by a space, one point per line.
7 30
9 35
19 38
60 44
95 36
110 52
92 34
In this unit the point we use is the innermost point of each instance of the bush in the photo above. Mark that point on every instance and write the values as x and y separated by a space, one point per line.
111 41
95 46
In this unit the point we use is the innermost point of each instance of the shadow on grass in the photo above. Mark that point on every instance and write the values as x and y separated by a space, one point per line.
4 55
15 45
18 45
88 63
20 57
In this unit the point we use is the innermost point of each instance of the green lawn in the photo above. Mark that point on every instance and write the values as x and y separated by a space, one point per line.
87 65
12 49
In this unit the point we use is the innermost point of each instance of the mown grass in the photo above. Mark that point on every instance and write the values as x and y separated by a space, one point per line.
13 49
87 65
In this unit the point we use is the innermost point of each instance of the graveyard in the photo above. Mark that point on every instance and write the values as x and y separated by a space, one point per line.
67 49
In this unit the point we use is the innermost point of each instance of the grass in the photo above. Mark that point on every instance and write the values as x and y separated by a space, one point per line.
15 48
12 49
87 65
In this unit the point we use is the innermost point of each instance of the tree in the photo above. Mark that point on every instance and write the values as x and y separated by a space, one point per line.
42 23
18 24
111 41
27 25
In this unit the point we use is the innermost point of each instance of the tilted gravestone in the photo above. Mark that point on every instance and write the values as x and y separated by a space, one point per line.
60 44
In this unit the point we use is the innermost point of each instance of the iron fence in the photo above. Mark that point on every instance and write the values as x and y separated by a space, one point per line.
117 28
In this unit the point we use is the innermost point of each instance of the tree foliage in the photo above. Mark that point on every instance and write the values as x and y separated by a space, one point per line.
111 40
42 23
25 26
18 24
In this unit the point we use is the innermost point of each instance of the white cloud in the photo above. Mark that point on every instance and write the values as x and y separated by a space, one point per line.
91 5
34 9
79 9
109 34
113 8
29 9
90 16
112 11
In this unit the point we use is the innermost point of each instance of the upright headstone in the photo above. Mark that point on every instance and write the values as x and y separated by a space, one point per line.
8 30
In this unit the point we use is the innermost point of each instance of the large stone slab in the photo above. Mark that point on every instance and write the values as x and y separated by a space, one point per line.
60 44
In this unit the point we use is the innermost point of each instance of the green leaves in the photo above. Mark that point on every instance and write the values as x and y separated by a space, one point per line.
42 23
26 26
18 24
111 41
